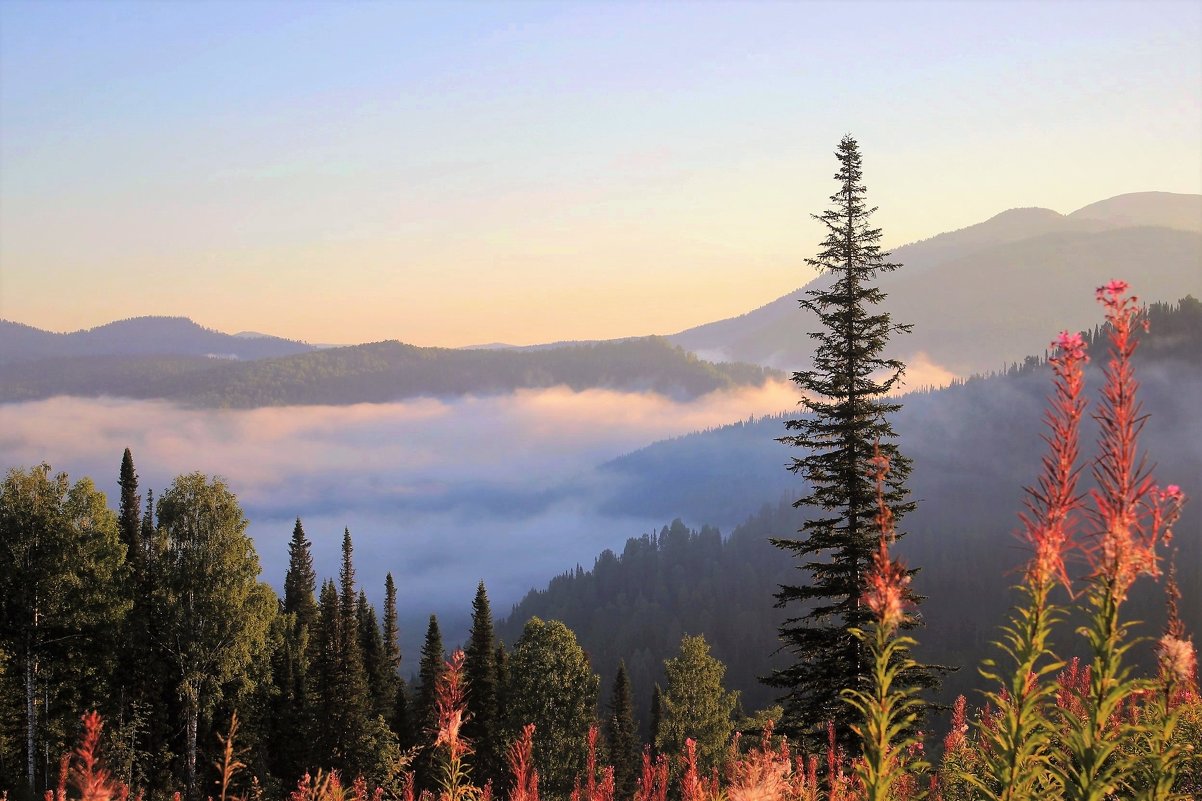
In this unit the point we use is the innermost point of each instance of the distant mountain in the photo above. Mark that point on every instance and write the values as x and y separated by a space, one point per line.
1160 209
974 446
139 336
375 373
987 295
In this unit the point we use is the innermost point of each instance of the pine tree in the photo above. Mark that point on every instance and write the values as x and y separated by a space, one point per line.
371 642
392 657
326 673
501 660
480 667
621 733
846 414
128 516
294 716
425 715
300 582
350 681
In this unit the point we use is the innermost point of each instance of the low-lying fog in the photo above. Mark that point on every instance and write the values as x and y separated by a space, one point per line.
442 493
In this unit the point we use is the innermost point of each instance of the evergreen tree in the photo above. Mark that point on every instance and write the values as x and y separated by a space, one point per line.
846 414
392 657
425 714
480 669
300 582
351 689
294 717
213 612
327 675
621 733
695 705
657 716
148 539
375 667
552 686
502 662
129 514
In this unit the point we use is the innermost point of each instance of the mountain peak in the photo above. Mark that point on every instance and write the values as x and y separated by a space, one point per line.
1161 209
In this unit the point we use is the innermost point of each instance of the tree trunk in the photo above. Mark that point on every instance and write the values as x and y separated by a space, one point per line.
30 719
193 713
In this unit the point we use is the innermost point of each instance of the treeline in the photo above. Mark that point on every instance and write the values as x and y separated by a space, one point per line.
155 615
376 373
636 605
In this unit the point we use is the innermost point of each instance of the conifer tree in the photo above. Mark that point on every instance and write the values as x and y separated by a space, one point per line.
294 717
129 513
300 582
843 395
392 656
326 670
349 721
502 662
371 642
425 714
480 668
621 733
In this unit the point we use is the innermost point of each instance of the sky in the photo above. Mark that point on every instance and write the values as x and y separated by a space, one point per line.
465 173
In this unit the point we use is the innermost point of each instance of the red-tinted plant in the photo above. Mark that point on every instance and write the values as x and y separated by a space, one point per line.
521 764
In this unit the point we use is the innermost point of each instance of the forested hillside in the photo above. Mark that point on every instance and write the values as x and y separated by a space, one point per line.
375 373
974 445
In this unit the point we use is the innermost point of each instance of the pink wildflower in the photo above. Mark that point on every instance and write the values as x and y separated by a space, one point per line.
1048 522
1177 658
887 579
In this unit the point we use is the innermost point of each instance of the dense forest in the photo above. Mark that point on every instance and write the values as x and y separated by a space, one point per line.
375 373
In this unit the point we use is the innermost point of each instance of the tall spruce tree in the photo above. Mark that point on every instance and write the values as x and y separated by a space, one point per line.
846 413
294 717
425 713
622 736
392 657
353 693
129 521
300 582
480 668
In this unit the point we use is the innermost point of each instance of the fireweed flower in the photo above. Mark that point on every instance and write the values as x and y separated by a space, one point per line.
888 578
1177 658
1132 513
451 703
1048 522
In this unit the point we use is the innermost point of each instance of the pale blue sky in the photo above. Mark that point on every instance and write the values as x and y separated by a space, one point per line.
449 174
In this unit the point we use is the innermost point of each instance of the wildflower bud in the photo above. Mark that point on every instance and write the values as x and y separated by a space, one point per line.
1177 658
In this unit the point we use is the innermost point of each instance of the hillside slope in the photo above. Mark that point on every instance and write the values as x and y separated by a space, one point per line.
974 446
986 295
375 373
139 336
